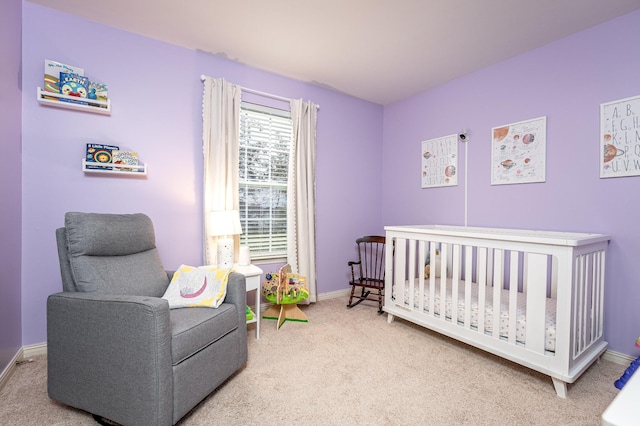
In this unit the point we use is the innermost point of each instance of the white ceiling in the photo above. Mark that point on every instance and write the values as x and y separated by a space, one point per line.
378 50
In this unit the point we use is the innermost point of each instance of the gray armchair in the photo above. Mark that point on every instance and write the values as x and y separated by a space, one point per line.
114 348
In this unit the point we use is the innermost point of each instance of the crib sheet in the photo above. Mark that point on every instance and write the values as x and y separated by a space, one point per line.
550 317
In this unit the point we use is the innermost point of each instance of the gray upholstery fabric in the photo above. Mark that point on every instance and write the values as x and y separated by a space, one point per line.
111 356
199 375
126 356
114 253
97 234
195 328
63 256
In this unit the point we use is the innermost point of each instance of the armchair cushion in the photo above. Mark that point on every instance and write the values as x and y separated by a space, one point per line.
193 329
114 254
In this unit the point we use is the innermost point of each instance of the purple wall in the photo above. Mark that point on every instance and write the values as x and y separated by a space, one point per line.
10 182
156 96
566 81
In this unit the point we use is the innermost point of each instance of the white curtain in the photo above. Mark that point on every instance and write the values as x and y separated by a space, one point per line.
301 194
220 135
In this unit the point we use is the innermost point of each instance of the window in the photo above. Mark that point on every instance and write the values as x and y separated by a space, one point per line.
265 140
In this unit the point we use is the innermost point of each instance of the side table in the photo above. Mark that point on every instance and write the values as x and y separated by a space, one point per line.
252 274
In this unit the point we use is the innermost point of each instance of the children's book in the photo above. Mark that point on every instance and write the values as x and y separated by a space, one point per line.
98 153
125 157
74 85
98 91
52 70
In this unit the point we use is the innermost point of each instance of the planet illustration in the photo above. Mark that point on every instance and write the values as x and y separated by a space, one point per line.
527 160
611 152
516 137
500 133
607 137
507 164
426 155
528 138
450 171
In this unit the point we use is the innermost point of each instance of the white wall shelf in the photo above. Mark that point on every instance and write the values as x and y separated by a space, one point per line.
104 109
115 169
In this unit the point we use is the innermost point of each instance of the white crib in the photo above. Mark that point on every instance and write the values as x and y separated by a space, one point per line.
533 297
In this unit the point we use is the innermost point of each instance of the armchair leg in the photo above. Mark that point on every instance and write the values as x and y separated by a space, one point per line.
102 421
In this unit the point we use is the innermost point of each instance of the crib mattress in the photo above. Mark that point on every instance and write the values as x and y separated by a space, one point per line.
550 316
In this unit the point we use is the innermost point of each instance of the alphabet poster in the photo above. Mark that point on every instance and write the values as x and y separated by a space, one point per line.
620 138
440 162
518 152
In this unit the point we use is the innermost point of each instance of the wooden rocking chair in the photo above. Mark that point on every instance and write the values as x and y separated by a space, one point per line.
368 271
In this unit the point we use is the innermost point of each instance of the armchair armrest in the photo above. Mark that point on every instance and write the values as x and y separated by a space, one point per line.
237 295
110 353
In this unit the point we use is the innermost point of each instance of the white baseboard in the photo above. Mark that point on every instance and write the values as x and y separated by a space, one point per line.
334 294
617 357
33 350
8 371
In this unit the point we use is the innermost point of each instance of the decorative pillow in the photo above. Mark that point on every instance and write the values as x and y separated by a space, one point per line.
204 286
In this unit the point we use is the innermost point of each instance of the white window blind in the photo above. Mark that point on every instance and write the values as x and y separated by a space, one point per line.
265 140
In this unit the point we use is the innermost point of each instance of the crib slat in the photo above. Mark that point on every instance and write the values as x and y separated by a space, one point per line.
482 286
421 264
536 295
498 284
411 273
399 269
577 313
599 309
444 251
468 277
455 281
513 296
432 279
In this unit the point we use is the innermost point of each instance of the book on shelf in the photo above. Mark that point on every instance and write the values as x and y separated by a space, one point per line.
52 70
98 153
98 91
74 85
125 158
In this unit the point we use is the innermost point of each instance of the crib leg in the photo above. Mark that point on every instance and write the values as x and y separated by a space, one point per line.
561 387
389 318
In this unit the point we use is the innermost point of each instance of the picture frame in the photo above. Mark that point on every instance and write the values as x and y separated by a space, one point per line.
620 138
440 162
518 152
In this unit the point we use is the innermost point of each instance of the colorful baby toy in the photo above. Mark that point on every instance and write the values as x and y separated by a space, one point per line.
635 364
285 290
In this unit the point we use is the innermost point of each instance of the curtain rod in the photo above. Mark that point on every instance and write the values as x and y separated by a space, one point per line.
257 92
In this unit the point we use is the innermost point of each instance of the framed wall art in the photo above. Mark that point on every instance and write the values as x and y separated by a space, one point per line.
620 138
518 152
440 162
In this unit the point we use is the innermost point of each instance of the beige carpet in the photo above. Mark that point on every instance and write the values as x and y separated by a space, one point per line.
348 366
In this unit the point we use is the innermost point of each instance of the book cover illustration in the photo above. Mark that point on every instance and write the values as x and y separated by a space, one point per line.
74 85
52 70
125 158
98 153
98 91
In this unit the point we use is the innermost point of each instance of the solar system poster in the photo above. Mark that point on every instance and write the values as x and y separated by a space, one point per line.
620 138
518 152
440 162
